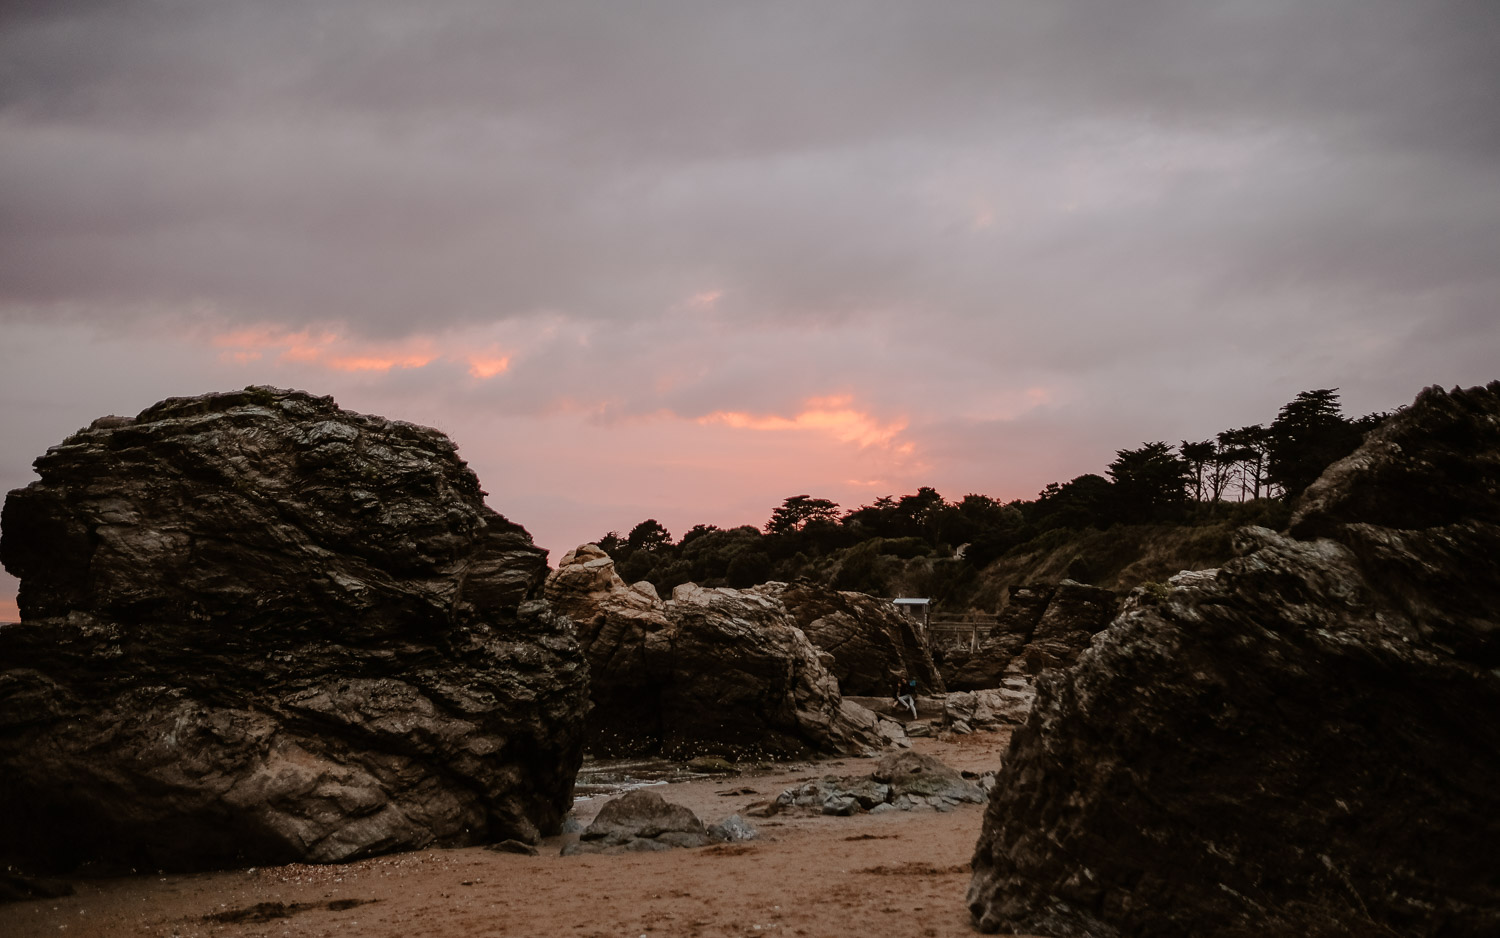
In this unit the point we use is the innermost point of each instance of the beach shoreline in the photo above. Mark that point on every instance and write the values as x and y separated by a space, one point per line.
807 875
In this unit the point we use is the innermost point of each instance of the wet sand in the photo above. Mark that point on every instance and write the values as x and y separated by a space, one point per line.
898 873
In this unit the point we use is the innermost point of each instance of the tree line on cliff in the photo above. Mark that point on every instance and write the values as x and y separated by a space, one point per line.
1256 470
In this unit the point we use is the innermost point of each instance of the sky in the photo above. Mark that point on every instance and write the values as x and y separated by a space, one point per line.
682 260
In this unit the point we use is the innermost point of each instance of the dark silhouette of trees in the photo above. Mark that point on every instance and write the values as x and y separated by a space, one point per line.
697 531
1247 451
748 569
972 517
917 515
1197 456
868 547
798 511
1084 502
874 520
990 529
1149 483
1308 434
1221 470
648 535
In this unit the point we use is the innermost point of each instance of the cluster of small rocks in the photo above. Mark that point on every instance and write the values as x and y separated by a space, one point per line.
901 781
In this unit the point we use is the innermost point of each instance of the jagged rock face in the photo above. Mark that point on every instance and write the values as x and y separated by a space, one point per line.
624 632
717 671
1044 625
259 628
873 645
1302 745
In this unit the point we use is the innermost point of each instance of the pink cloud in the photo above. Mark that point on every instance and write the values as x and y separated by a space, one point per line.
488 365
832 416
333 349
704 300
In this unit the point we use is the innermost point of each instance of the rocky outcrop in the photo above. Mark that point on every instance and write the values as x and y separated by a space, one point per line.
873 645
1008 704
959 712
642 821
1302 744
901 781
1043 625
710 671
258 628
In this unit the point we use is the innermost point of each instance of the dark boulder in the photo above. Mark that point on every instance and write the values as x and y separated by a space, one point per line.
258 628
873 645
1302 744
637 821
711 671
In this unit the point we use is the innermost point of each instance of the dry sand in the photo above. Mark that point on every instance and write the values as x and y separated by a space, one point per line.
898 873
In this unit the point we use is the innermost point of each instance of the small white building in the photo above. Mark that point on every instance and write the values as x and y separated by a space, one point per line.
919 610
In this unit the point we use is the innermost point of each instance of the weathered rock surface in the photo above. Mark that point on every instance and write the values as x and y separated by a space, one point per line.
901 781
643 821
873 645
1043 625
640 820
1007 705
1303 744
258 628
710 671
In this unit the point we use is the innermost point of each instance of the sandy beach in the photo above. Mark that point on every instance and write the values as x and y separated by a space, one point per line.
899 873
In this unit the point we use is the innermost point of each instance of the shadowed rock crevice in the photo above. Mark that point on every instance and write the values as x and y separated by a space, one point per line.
259 628
1299 744
871 643
1043 625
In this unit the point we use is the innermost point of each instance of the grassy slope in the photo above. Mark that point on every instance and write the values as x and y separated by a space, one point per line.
1119 558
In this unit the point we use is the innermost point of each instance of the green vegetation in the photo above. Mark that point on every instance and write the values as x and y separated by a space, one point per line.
1160 510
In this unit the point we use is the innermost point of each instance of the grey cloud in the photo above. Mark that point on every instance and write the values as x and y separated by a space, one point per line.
1167 179
691 75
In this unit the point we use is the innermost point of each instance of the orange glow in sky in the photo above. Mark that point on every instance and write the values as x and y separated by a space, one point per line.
832 415
333 350
489 364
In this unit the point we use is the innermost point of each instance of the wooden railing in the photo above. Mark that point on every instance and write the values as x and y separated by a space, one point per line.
954 628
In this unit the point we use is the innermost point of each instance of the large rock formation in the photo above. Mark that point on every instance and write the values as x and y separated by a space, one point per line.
258 628
1304 744
1043 625
711 671
873 645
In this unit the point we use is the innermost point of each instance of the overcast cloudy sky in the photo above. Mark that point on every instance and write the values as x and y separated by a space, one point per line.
684 259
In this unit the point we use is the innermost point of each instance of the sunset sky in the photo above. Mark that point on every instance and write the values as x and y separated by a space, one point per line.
682 260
